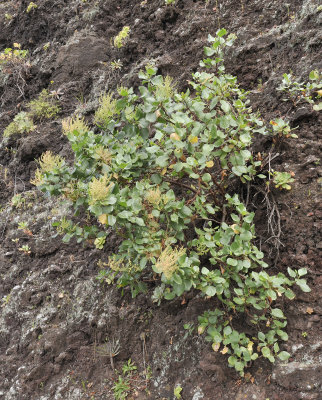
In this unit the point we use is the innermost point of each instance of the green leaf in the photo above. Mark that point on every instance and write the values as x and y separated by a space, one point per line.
246 235
303 285
178 166
125 214
151 117
289 294
206 177
186 211
156 178
225 106
111 220
291 272
162 161
169 295
215 335
239 366
210 291
317 107
232 262
276 348
284 355
239 300
177 279
139 221
266 351
209 51
314 75
227 330
174 217
232 360
277 313
261 337
302 271
222 32
283 335
210 209
234 337
239 170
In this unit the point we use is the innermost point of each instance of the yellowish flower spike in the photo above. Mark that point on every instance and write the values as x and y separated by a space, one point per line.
77 124
153 196
106 111
168 261
102 154
47 163
99 189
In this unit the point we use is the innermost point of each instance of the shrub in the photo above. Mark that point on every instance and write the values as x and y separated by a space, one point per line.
22 123
299 92
13 56
106 110
76 125
44 107
48 163
166 185
120 39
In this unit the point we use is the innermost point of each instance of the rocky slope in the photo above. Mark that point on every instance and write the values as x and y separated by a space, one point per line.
56 318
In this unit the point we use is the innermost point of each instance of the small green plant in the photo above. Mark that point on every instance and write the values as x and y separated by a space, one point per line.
128 368
18 201
161 170
120 39
44 107
22 225
177 392
299 92
281 128
111 349
46 46
6 300
282 180
121 388
25 249
99 242
116 65
169 2
304 334
13 56
8 16
22 123
31 6
47 163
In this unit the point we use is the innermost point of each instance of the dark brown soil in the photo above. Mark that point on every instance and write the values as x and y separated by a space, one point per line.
55 316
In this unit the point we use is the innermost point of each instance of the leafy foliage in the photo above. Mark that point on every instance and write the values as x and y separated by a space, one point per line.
44 107
282 180
162 170
31 6
299 92
120 39
13 56
22 123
